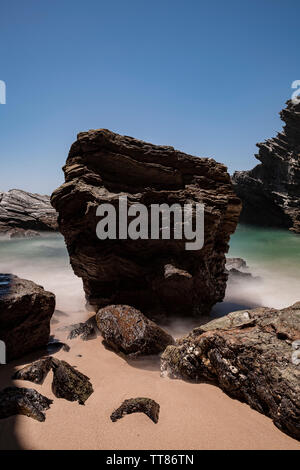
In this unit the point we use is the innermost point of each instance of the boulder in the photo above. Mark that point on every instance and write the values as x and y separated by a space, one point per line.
137 405
25 313
157 276
24 214
249 354
270 192
127 330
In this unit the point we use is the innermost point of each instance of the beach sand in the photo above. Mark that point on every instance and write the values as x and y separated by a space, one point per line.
192 416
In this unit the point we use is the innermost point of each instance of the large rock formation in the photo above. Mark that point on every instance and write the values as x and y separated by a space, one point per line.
271 191
252 355
25 313
155 276
22 212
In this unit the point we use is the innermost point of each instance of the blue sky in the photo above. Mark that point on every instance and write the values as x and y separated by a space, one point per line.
208 77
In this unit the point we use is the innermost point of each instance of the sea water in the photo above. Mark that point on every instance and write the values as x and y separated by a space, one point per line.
273 258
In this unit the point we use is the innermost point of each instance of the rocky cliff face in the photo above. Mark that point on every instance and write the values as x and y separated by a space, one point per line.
156 276
271 191
21 211
253 355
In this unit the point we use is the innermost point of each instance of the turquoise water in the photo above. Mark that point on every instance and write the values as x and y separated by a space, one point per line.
273 248
272 255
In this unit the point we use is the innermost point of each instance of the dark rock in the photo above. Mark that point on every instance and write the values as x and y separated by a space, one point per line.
25 313
137 405
127 330
69 383
22 214
23 401
270 192
85 330
156 276
35 372
249 354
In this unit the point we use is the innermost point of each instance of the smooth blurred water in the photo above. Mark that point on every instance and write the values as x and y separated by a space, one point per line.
273 255
45 261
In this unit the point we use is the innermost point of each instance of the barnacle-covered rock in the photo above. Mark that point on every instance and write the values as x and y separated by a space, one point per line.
125 329
250 354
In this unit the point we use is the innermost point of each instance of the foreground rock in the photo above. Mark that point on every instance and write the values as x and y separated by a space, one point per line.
35 372
137 405
271 191
24 214
25 313
156 276
127 330
249 354
23 401
69 383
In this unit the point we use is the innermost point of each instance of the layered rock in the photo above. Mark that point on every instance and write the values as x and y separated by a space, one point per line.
270 192
24 214
25 313
156 276
127 330
251 355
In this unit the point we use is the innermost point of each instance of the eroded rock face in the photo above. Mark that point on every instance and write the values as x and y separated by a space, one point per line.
23 401
125 329
156 276
137 405
24 214
25 313
249 354
271 191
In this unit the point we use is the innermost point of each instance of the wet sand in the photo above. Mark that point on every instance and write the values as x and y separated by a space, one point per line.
192 416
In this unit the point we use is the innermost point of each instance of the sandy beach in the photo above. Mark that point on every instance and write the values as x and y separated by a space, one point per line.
192 416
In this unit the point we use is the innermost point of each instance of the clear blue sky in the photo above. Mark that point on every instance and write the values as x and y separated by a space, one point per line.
208 77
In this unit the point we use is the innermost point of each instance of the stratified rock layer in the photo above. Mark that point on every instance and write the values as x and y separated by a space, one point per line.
251 354
25 313
271 191
156 276
22 213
